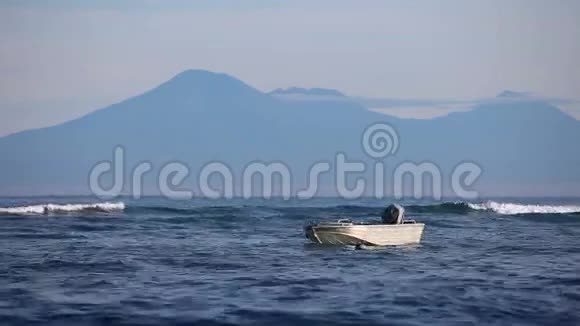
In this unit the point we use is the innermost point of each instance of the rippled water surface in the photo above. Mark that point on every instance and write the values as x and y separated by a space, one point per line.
156 261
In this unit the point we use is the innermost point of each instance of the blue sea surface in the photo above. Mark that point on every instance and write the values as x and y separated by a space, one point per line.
155 261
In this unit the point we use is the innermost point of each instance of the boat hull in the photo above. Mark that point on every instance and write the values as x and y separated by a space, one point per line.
370 235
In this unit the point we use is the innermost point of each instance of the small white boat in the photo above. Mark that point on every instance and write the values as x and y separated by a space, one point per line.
393 229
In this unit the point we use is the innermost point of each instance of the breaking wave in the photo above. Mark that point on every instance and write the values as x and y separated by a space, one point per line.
516 209
496 207
62 208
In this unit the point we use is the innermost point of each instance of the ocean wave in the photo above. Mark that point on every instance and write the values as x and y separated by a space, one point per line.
517 209
458 207
448 207
501 208
62 208
185 210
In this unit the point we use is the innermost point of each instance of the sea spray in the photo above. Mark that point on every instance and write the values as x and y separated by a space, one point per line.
62 208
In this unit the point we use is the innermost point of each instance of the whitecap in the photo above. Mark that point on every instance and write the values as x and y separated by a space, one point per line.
514 209
63 208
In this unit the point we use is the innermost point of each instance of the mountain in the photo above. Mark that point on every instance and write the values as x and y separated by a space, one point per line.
523 147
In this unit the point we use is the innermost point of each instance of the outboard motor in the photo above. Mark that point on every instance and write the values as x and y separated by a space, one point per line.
393 214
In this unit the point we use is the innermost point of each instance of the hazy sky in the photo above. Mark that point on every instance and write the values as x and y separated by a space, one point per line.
63 59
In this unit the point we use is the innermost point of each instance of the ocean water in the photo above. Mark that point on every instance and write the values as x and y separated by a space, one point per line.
81 261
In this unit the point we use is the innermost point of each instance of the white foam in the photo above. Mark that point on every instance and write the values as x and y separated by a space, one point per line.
44 208
514 209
